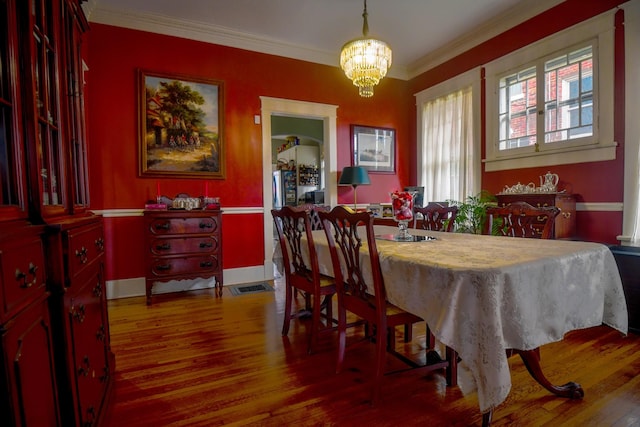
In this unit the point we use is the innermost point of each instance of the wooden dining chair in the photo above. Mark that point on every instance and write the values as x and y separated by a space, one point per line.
435 217
302 272
520 219
347 232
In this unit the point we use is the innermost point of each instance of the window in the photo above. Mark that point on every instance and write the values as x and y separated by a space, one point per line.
568 102
545 111
448 121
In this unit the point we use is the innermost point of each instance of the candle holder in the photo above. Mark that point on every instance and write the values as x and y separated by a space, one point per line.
211 202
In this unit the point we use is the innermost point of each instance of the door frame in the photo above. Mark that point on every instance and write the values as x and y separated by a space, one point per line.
310 110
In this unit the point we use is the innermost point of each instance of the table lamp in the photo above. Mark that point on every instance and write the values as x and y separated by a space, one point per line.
354 176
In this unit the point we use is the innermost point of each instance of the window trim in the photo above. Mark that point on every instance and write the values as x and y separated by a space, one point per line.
602 147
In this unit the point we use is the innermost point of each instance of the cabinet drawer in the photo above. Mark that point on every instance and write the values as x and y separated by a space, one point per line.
85 245
172 246
22 273
188 225
192 265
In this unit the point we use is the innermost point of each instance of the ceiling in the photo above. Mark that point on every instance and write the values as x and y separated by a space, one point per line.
421 33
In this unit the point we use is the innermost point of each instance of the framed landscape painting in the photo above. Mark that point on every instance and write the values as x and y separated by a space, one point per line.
374 148
181 123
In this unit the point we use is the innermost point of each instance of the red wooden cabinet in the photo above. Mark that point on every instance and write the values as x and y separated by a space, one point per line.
183 245
56 364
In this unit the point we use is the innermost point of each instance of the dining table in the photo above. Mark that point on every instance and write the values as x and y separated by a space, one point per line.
489 296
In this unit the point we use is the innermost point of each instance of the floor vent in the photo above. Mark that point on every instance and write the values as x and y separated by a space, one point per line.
252 288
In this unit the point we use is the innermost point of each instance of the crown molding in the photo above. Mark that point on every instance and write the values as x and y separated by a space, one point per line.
516 15
192 30
161 24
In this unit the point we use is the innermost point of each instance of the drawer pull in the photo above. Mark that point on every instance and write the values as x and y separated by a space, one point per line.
164 267
82 255
206 244
90 417
206 225
22 277
566 214
85 367
163 247
105 375
100 334
78 313
163 226
97 290
205 264
99 244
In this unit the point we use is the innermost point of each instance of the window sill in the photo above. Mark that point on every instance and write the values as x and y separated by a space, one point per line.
575 155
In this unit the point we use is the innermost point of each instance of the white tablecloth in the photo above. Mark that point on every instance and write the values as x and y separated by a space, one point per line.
482 295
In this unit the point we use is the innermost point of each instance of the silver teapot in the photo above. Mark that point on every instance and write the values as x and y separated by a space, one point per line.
549 182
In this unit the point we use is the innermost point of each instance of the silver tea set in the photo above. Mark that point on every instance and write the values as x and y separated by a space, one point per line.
548 184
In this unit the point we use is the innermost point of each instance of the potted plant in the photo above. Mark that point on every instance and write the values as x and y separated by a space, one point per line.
472 212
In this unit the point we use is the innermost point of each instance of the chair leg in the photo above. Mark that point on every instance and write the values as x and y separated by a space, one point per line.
430 339
287 310
408 332
381 351
391 338
327 306
315 325
452 369
342 337
307 301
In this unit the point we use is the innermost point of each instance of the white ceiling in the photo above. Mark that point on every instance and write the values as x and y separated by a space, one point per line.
421 33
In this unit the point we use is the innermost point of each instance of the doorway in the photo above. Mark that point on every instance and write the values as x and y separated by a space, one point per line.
300 140
285 107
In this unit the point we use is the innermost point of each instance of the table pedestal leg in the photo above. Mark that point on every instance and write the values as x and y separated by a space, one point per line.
531 359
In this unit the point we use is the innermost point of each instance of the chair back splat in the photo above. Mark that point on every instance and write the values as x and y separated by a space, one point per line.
520 219
435 217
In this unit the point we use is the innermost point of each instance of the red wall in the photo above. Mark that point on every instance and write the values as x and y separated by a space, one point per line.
115 54
597 182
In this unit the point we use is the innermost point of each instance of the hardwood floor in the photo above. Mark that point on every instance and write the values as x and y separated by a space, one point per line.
192 359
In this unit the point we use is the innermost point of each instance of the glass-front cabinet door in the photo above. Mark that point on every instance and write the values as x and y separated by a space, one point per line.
48 122
12 164
49 34
75 24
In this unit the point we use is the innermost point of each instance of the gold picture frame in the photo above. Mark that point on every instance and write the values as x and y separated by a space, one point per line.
181 126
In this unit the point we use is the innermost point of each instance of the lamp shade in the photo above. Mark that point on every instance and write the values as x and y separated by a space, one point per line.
354 176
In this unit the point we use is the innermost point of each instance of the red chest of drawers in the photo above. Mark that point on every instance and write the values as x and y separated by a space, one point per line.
183 245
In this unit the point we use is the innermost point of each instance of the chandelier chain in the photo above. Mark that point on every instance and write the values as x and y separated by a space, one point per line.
365 23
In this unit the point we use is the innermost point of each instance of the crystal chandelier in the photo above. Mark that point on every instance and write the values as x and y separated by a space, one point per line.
364 60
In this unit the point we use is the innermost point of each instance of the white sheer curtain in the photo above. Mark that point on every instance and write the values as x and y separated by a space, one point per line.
631 213
448 147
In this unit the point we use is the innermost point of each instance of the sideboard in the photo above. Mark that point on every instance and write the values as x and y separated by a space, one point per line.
183 244
565 224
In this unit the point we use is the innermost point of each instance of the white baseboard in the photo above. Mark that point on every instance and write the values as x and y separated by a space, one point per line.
135 287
